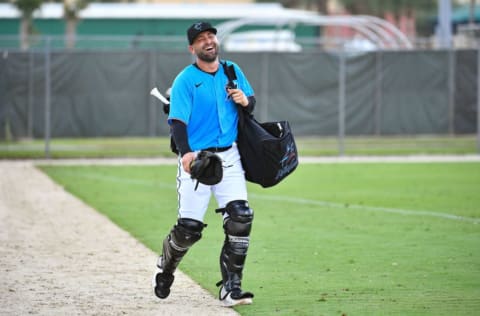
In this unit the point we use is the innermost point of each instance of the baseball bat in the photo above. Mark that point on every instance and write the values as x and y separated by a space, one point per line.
159 96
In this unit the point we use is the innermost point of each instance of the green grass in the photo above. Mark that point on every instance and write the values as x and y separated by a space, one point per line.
332 239
307 146
86 148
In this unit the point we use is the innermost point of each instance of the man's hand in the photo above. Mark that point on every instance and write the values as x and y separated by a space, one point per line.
206 168
187 160
238 97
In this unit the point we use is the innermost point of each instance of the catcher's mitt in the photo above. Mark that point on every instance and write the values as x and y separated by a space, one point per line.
206 168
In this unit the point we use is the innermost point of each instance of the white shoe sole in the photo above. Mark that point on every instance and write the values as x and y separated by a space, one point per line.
227 300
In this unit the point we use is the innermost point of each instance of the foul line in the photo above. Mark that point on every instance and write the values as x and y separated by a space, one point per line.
364 207
139 182
278 198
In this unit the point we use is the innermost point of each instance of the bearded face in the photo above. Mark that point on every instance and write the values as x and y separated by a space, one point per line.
206 46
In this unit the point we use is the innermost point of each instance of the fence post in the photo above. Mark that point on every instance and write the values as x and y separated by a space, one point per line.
451 90
31 68
265 74
152 105
47 97
341 103
478 99
378 92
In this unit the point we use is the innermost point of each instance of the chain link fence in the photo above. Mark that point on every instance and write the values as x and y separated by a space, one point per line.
103 91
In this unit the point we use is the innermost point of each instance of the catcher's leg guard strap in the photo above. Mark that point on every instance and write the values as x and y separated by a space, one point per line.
237 226
184 234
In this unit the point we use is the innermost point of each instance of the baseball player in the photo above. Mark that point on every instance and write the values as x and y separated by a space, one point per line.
203 117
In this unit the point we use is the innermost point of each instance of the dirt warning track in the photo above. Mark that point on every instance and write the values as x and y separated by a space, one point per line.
58 256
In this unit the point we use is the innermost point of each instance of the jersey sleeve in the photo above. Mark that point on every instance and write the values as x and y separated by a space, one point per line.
180 100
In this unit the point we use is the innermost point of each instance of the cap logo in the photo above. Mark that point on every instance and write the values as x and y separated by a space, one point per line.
198 26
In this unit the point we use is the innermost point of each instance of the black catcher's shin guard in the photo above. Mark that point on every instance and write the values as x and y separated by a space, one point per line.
237 226
183 235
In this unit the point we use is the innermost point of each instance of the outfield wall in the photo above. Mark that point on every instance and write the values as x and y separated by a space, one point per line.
102 93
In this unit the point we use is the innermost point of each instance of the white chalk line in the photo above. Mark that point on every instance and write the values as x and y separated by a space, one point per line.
302 160
297 200
143 183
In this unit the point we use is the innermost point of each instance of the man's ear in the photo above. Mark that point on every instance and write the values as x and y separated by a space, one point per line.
190 48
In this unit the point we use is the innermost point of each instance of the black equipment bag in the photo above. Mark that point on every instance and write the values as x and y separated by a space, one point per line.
268 150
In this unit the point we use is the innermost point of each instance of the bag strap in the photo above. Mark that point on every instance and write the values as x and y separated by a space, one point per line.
229 71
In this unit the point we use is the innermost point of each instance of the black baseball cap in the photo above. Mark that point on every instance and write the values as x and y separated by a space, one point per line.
198 28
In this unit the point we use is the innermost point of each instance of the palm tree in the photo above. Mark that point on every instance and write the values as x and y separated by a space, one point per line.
26 7
71 9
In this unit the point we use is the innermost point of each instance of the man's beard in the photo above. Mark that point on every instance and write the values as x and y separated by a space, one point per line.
208 57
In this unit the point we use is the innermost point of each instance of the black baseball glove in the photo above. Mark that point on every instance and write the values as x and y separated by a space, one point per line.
206 168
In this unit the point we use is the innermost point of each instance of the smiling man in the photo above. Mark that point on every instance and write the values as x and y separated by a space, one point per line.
203 117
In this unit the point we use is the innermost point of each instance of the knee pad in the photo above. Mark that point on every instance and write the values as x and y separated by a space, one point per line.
239 218
186 232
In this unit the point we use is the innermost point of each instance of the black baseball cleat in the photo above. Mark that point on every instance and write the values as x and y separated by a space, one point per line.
161 283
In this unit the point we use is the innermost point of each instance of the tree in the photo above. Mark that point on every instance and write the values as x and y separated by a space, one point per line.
71 9
418 10
379 7
26 7
314 5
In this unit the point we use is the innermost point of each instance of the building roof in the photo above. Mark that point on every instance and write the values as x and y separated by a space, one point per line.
159 10
462 14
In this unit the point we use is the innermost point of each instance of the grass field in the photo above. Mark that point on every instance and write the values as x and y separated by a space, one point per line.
332 239
307 146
